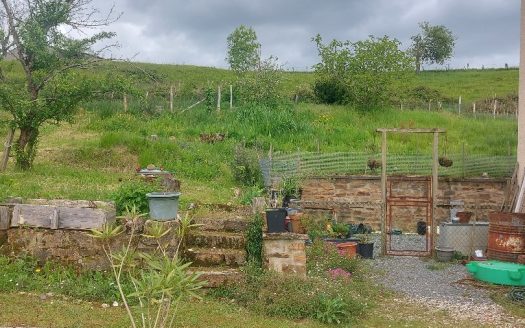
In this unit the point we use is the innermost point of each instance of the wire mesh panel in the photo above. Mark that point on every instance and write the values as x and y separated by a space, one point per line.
304 164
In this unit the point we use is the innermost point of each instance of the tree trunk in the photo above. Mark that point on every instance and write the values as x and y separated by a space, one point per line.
25 147
418 64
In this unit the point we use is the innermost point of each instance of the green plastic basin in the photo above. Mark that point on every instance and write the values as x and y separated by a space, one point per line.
496 272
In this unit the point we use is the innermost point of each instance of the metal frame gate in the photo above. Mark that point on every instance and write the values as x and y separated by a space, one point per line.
396 199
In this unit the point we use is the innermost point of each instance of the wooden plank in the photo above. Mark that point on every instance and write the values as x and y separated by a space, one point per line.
411 130
83 218
32 215
53 217
383 192
5 217
435 166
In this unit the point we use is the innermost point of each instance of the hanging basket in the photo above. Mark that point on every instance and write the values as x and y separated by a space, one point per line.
445 161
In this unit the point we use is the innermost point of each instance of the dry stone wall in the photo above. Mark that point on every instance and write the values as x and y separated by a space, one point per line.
357 199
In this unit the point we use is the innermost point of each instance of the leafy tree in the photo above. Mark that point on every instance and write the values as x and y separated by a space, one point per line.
38 34
378 70
243 49
434 44
364 73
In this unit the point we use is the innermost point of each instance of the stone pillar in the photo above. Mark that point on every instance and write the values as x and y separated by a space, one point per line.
521 106
285 253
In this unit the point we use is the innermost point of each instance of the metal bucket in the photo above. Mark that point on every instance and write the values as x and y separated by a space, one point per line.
163 206
506 236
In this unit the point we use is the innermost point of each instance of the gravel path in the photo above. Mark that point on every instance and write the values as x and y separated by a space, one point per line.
438 289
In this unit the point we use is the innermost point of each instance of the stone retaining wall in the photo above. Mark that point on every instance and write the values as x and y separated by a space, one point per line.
334 196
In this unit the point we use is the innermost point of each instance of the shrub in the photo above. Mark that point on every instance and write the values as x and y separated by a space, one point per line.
322 257
245 166
133 194
330 91
254 240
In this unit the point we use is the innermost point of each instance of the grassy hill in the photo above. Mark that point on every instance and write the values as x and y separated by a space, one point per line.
93 156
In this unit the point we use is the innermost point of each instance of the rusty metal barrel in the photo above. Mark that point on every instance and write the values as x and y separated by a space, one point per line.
506 236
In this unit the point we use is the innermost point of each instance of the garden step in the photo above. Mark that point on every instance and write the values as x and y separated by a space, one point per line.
217 276
217 239
215 257
227 225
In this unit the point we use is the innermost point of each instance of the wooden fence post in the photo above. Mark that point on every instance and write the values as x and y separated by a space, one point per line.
171 98
125 101
219 98
495 107
7 148
474 108
459 105
231 96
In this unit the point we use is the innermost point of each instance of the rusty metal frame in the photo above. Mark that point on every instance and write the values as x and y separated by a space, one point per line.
384 131
409 201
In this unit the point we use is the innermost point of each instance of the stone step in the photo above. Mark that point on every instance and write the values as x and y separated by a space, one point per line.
206 257
217 239
217 276
225 225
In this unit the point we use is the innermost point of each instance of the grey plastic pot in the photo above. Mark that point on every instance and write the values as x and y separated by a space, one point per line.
444 254
163 206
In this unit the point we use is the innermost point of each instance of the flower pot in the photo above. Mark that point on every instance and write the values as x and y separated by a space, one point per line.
444 254
348 249
464 217
366 250
276 220
295 223
163 206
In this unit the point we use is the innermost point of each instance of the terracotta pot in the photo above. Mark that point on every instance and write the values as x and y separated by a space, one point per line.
295 222
464 217
348 249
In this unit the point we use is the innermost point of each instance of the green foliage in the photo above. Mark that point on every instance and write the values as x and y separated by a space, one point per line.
434 44
249 193
319 297
322 257
254 240
329 90
331 310
132 194
243 49
246 169
51 89
26 274
365 73
290 187
210 98
261 86
161 280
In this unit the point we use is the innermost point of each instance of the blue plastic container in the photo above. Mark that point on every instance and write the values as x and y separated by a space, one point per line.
163 206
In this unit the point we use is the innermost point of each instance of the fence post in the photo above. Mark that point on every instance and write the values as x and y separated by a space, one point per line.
494 109
401 106
147 94
429 105
231 96
7 148
171 98
463 160
218 98
125 101
459 105
474 108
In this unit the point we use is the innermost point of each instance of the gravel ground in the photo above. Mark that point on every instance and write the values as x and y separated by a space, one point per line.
438 289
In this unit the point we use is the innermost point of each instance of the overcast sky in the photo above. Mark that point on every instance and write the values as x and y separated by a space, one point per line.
195 31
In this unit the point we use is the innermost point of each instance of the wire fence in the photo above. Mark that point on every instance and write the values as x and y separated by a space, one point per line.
495 107
304 164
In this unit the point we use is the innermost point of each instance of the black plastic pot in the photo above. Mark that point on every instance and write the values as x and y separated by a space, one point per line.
366 250
421 228
276 220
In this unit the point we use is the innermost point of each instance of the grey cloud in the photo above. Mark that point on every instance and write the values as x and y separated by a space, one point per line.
194 32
